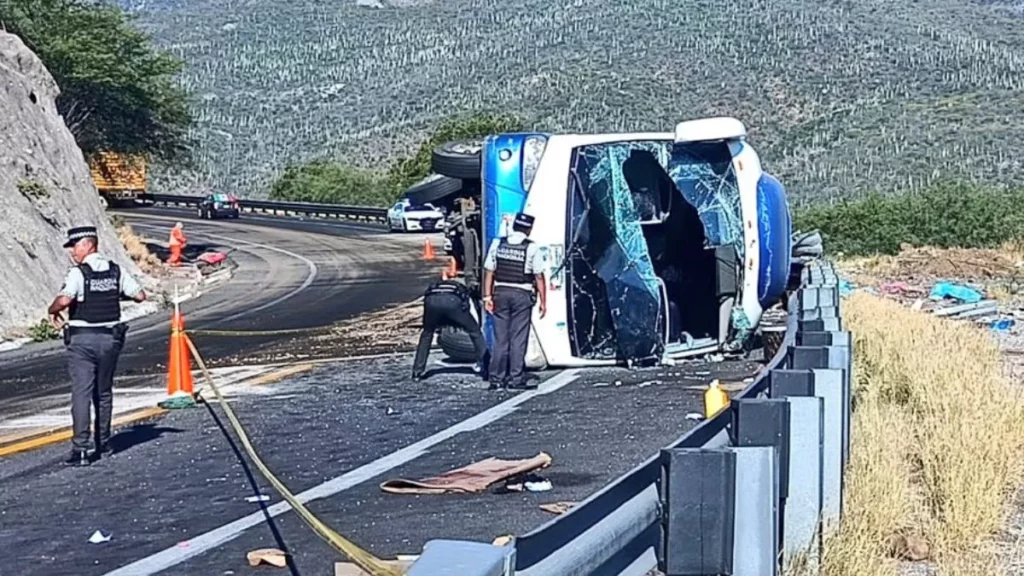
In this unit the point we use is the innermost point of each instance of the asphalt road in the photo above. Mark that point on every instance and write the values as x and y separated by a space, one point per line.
292 274
177 487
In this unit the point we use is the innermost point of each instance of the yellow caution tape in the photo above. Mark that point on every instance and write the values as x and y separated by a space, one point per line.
368 562
259 332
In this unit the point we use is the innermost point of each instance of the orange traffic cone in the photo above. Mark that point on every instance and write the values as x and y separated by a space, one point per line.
428 250
179 366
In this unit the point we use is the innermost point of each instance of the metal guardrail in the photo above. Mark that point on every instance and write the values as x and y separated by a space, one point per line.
752 485
359 213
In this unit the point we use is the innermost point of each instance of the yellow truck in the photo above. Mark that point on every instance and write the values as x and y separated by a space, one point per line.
118 177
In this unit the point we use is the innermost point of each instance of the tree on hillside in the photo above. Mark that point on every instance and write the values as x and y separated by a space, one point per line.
328 182
117 92
407 171
334 183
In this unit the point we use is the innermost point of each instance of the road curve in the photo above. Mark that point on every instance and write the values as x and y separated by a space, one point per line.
292 274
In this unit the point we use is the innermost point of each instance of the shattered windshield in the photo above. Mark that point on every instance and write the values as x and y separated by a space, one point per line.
616 303
703 172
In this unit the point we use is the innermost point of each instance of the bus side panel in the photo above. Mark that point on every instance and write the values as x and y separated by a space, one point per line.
502 195
774 231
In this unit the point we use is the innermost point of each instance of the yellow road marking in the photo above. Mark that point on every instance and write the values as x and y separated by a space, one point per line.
278 375
36 439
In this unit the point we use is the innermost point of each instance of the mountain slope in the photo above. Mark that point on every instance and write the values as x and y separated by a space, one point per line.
840 96
45 188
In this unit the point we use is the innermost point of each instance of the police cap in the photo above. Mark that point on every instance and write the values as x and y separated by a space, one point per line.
80 233
523 222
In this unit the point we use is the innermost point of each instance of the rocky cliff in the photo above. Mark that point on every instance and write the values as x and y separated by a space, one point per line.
45 188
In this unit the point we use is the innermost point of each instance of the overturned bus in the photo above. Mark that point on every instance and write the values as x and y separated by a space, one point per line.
657 245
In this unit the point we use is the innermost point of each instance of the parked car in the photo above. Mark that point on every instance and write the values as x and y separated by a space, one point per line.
405 216
218 205
659 245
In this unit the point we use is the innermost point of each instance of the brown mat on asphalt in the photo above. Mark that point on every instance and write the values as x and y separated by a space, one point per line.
470 479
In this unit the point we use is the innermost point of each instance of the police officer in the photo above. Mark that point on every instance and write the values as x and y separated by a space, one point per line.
447 303
512 268
93 335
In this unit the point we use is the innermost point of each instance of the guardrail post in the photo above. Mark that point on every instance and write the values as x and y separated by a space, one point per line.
458 558
756 524
825 357
803 503
700 487
827 385
765 422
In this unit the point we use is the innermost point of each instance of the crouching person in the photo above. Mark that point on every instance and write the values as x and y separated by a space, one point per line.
447 303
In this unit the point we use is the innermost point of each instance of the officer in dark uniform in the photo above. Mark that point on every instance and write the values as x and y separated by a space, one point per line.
447 303
93 335
514 266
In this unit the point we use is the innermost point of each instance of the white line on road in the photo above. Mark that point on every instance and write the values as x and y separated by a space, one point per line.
305 284
309 278
204 542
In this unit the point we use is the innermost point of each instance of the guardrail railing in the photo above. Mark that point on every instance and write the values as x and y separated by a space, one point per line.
741 493
360 213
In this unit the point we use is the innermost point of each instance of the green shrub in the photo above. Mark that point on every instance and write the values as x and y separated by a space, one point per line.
43 331
328 182
949 215
334 183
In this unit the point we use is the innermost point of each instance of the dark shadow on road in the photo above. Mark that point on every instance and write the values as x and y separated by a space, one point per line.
278 539
138 434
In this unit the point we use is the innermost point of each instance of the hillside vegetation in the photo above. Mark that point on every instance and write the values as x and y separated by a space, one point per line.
841 97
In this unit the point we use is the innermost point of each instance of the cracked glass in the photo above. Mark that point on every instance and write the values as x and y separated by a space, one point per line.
616 308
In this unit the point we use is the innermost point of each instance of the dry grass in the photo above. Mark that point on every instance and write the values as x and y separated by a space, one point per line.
936 449
136 249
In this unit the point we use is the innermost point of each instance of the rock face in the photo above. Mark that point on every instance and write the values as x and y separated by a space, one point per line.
45 188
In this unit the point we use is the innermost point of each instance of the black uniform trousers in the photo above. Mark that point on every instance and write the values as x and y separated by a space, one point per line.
513 310
446 310
92 361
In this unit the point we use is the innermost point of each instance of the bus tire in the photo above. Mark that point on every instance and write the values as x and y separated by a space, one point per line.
457 159
456 344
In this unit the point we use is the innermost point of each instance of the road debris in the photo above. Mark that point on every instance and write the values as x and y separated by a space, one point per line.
472 479
529 483
558 508
271 556
503 540
99 538
959 292
694 416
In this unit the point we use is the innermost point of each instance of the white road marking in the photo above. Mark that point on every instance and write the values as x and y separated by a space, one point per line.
177 554
309 278
305 284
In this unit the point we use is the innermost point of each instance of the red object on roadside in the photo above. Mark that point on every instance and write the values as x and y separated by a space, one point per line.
212 258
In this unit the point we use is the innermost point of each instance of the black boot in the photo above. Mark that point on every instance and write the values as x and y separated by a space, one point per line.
105 450
78 458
